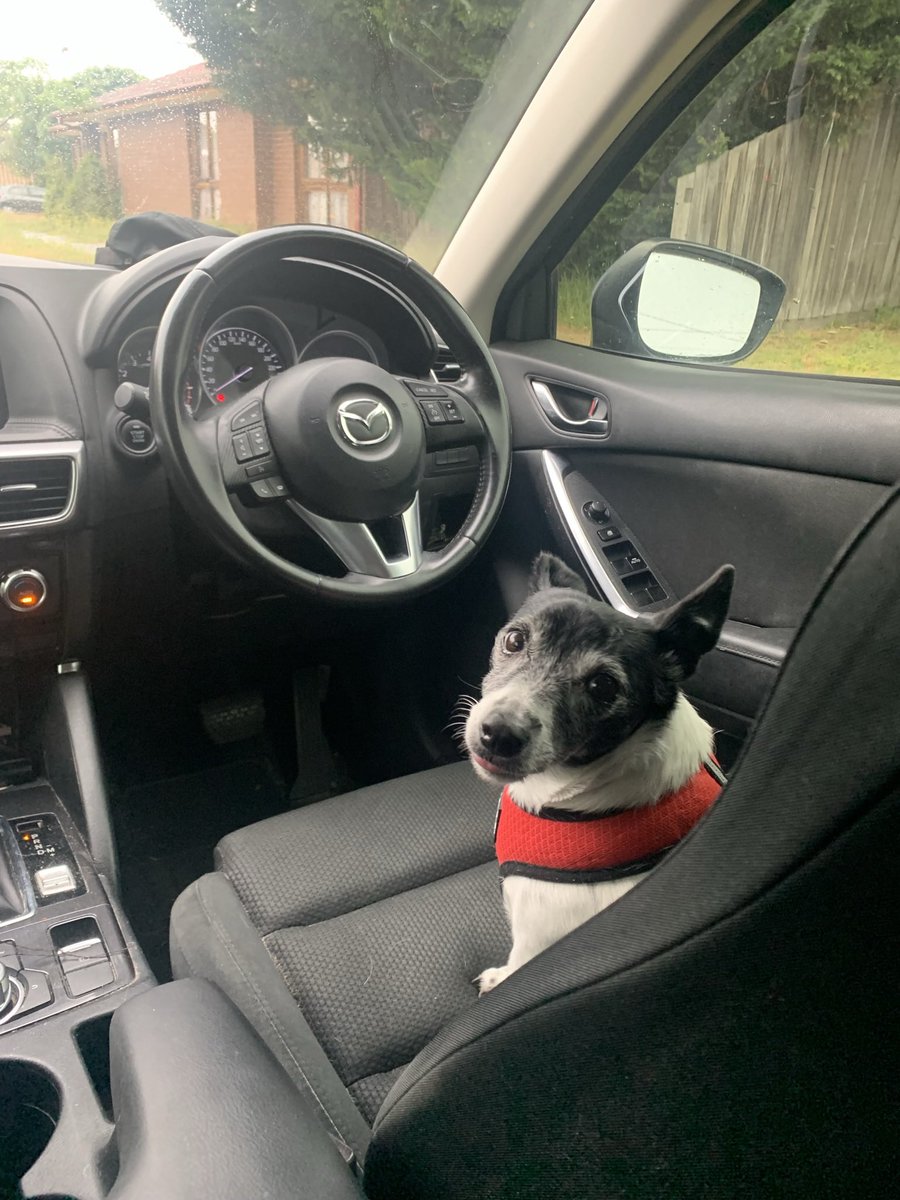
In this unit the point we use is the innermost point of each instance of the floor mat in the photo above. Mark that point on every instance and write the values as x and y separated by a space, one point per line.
166 831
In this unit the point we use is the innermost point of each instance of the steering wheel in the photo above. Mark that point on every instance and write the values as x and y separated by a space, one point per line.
348 439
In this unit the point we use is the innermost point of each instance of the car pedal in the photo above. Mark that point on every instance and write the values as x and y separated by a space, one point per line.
318 772
233 718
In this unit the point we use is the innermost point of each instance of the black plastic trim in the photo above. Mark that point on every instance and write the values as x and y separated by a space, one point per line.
74 768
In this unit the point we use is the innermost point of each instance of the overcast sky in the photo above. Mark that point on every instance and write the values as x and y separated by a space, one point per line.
69 35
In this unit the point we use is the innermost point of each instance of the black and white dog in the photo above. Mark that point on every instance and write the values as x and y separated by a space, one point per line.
603 761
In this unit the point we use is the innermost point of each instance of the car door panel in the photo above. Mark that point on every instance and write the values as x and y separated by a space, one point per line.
693 514
703 466
842 427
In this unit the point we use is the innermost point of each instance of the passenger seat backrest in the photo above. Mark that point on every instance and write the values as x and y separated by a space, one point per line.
729 1027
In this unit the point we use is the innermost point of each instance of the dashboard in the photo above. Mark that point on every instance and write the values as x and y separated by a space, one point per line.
299 311
244 346
84 499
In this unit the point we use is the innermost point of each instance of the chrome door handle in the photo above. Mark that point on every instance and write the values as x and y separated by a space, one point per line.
594 422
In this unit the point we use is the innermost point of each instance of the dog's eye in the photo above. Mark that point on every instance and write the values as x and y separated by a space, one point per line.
603 687
514 641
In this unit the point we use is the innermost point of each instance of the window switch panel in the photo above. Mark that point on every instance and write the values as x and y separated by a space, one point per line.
620 568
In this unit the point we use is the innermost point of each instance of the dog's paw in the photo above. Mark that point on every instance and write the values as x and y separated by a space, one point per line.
489 979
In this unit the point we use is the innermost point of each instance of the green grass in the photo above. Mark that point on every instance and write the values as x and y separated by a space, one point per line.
78 237
864 349
868 349
78 229
573 313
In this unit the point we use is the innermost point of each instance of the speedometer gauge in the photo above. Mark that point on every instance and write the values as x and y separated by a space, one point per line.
234 361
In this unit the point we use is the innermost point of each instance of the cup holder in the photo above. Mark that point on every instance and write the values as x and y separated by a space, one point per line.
29 1112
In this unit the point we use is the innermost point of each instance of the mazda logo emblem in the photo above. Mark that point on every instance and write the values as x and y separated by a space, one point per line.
364 422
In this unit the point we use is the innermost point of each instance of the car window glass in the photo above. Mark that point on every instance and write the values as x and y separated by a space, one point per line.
788 159
384 118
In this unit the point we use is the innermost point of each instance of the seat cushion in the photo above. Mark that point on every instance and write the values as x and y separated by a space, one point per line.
351 931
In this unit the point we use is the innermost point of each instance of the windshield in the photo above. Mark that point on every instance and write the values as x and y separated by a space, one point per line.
383 117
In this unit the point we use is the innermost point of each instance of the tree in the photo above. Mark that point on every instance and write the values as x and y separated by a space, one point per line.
389 82
88 191
29 102
94 81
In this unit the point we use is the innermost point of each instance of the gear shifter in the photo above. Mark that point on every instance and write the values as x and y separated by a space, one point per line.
15 893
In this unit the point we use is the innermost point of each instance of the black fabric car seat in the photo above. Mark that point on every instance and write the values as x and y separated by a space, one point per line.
727 1029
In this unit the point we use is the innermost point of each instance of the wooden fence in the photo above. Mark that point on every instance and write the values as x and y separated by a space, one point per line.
821 211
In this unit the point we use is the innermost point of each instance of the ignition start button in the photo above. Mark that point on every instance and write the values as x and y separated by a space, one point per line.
23 590
136 437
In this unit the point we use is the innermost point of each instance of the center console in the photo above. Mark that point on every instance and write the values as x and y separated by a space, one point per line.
67 961
111 1086
60 941
68 958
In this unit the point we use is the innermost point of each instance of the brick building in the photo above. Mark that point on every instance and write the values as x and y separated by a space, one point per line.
177 145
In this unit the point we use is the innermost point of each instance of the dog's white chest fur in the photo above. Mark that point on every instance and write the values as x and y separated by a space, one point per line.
646 767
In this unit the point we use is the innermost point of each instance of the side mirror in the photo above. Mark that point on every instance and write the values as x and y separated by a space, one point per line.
679 301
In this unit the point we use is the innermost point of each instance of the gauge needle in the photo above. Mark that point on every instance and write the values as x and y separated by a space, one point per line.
235 378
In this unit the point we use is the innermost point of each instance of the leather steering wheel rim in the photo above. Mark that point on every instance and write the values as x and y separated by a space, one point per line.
186 445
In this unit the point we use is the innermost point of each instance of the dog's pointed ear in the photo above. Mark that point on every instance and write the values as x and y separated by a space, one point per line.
685 632
549 571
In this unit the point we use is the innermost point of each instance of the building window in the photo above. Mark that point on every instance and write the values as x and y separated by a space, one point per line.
315 167
208 144
338 209
207 199
327 208
317 207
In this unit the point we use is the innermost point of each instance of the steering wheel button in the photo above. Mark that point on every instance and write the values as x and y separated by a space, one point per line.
259 442
434 414
452 413
251 415
269 489
427 390
258 469
242 447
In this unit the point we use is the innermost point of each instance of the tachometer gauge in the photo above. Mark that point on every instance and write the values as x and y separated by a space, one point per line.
235 360
338 343
133 363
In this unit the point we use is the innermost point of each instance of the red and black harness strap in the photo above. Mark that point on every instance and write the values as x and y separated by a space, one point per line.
570 847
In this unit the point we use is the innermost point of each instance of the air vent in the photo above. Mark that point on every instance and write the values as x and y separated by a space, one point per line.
446 369
34 489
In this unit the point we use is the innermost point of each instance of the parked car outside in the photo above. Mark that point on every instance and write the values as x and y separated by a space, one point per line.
22 197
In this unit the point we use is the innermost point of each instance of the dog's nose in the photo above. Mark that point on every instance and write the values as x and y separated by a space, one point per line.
500 739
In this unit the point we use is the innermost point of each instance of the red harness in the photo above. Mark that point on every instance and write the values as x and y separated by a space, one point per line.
571 847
